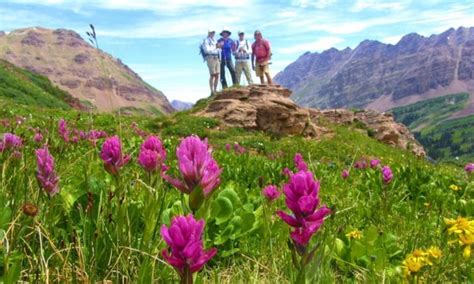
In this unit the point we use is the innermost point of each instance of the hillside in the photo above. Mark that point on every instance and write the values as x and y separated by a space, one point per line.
437 125
88 74
28 88
383 76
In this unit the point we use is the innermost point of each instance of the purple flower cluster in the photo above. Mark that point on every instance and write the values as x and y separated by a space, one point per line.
345 174
361 164
46 176
197 167
302 198
10 142
469 168
111 154
152 154
374 163
300 164
387 174
185 250
271 193
63 130
38 137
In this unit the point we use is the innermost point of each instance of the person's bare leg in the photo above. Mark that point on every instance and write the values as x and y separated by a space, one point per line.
216 81
211 83
262 80
269 79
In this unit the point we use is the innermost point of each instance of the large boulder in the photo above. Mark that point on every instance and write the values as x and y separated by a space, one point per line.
262 107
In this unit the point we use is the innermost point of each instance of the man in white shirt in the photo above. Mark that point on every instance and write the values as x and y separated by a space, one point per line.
242 57
211 52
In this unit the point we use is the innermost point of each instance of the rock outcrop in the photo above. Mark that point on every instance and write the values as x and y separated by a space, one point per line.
382 76
270 109
381 126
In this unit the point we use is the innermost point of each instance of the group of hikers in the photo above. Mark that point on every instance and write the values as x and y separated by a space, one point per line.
218 55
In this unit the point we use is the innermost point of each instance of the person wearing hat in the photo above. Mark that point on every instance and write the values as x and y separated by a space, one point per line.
211 53
227 47
261 54
242 57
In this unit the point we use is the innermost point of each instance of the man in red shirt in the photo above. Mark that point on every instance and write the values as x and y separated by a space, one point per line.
261 53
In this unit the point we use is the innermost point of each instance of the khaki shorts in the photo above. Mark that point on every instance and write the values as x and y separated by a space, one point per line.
261 69
213 64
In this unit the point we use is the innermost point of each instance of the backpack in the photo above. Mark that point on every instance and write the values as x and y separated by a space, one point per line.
202 51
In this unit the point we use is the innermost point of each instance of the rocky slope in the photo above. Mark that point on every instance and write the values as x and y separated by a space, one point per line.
383 76
270 109
86 73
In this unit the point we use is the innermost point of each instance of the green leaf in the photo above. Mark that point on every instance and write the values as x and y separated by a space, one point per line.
222 209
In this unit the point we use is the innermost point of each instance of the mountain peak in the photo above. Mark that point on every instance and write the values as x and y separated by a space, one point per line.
74 65
382 76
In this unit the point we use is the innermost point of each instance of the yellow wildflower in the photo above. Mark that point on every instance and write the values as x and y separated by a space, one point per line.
434 252
464 229
454 187
460 226
415 261
356 234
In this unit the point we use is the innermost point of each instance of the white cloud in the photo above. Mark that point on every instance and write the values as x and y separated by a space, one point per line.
319 4
361 5
318 45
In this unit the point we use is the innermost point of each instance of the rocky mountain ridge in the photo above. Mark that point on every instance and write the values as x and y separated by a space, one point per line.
382 76
270 109
91 75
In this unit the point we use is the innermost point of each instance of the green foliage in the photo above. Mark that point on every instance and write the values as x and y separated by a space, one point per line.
104 228
443 137
27 88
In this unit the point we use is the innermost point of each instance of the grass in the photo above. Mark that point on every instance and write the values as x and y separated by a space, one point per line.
27 88
80 235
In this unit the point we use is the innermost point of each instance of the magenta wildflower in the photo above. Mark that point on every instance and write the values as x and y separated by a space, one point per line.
38 137
63 130
374 163
10 142
227 147
152 154
361 164
185 250
469 168
239 149
300 164
271 192
387 174
287 172
302 198
111 154
198 168
345 174
46 176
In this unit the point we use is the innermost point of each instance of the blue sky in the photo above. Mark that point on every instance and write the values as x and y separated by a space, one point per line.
159 39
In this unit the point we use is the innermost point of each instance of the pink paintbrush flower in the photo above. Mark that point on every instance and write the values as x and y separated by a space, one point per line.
271 193
152 154
302 198
111 154
185 250
46 176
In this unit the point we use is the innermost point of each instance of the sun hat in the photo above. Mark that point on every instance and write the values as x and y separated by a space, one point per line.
225 31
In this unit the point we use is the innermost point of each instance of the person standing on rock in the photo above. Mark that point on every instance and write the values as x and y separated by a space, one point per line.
211 52
261 54
228 47
242 57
